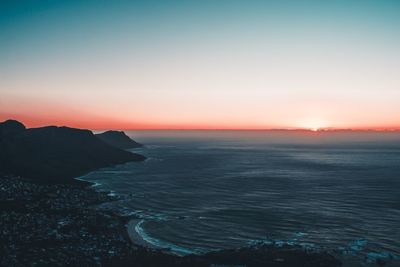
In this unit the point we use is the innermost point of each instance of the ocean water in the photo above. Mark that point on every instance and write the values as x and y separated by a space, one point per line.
207 190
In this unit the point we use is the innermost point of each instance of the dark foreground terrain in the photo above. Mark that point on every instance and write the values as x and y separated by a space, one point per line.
64 225
55 154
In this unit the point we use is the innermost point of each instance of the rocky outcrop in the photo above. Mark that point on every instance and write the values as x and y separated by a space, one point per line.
118 139
55 154
10 127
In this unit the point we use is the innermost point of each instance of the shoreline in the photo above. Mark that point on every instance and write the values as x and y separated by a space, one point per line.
63 225
130 222
138 236
135 237
133 224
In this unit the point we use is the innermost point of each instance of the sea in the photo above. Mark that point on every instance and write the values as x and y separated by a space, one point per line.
201 191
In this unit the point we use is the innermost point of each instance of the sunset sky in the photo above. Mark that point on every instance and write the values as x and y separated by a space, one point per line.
201 64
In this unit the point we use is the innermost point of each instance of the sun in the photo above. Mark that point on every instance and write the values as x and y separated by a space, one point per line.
313 125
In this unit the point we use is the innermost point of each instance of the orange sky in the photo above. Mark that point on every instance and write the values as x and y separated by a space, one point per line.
36 114
199 113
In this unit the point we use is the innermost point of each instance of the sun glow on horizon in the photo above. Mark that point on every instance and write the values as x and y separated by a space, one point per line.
314 124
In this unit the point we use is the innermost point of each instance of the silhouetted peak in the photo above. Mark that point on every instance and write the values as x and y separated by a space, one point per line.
118 139
10 127
61 130
55 153
114 133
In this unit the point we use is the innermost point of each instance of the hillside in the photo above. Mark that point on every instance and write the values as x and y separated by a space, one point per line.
55 154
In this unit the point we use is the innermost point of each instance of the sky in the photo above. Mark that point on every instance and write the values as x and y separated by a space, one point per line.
201 64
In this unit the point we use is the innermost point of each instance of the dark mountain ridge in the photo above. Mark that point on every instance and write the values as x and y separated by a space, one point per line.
118 139
55 154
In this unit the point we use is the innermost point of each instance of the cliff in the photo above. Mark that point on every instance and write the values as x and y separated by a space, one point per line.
55 154
118 139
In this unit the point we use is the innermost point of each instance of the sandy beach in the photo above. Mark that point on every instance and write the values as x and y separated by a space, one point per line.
135 237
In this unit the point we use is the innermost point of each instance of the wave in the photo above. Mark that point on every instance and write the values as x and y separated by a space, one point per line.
354 248
112 194
161 244
81 178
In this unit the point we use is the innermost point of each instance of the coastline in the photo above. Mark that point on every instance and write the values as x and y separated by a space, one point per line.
135 237
130 223
46 224
138 236
84 182
135 233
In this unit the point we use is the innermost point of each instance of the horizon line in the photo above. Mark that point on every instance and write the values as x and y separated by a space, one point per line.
260 130
304 129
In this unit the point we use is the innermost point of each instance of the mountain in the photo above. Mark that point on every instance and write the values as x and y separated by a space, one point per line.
118 139
55 154
10 127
